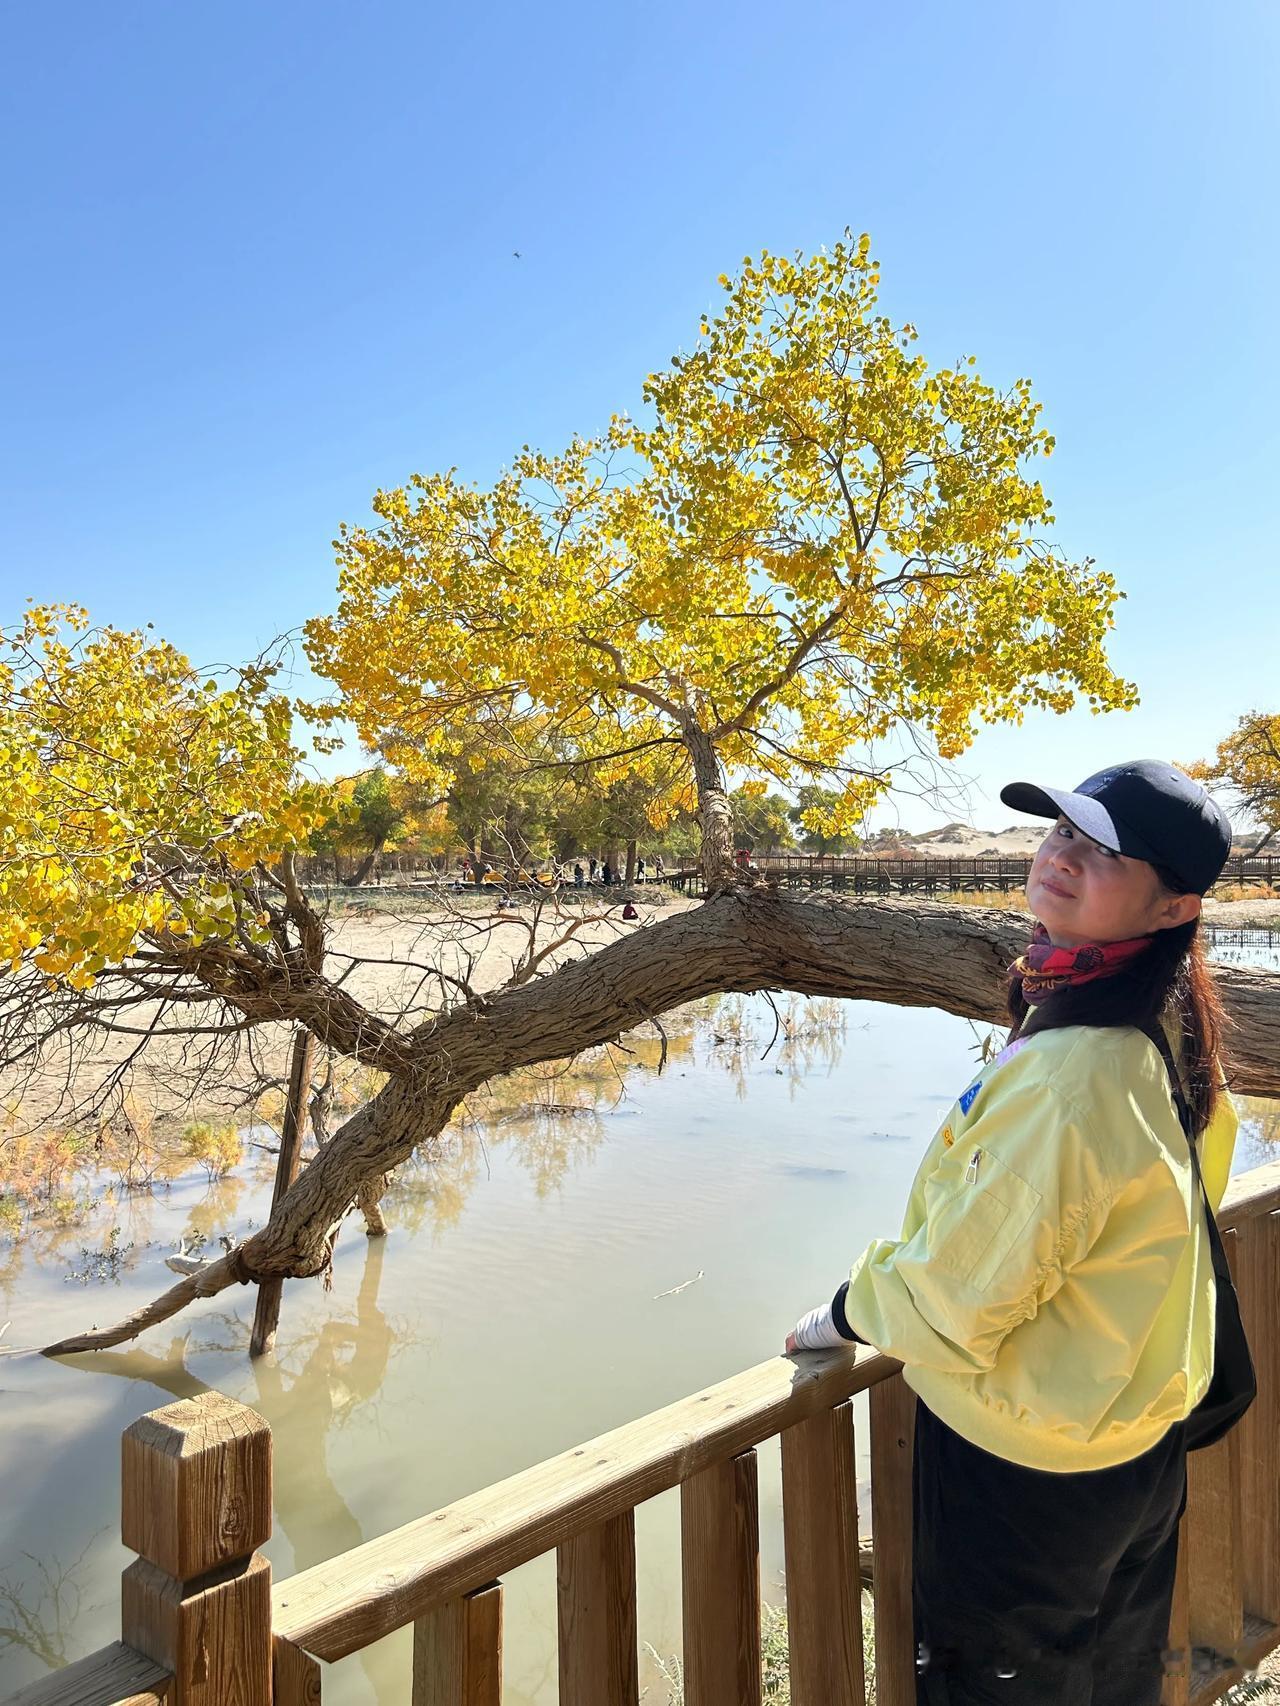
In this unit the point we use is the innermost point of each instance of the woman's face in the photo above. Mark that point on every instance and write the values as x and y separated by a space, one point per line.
1083 892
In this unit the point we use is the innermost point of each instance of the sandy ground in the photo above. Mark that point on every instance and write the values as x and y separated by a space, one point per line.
390 945
1019 840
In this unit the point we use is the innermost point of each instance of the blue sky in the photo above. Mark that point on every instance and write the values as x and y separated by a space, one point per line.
260 262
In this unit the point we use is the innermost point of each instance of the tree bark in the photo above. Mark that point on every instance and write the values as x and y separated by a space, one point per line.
630 877
361 872
715 814
744 940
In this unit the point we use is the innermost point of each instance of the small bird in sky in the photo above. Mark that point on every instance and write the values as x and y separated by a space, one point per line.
516 255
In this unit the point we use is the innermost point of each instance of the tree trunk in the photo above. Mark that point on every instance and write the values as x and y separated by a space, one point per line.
715 814
266 1316
369 1196
361 872
631 863
954 958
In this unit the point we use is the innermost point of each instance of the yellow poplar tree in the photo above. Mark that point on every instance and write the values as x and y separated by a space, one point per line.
1248 761
813 539
143 800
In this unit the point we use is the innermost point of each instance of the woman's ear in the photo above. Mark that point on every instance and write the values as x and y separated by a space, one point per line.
1179 909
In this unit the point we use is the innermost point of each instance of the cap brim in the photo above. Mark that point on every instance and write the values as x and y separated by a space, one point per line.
1086 813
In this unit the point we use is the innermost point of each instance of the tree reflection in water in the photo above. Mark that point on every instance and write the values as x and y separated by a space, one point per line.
315 1384
39 1609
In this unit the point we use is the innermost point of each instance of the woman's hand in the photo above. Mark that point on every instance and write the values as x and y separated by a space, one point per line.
791 1347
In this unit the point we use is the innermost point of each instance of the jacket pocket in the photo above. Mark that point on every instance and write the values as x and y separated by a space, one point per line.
975 1220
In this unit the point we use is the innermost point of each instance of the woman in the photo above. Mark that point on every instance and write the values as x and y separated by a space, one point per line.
1051 1297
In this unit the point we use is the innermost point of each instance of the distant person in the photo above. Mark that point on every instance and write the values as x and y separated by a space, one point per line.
607 873
629 910
593 868
1059 1296
659 869
578 875
640 869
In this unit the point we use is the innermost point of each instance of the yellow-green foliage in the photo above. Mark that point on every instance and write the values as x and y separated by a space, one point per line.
1243 891
1008 900
115 752
218 1148
871 525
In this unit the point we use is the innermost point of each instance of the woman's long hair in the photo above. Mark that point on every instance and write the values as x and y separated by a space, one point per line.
1172 980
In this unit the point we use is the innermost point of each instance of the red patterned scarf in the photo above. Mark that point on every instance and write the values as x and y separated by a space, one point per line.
1044 968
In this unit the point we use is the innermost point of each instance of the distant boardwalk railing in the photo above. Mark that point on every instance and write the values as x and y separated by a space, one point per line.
857 874
842 872
203 1626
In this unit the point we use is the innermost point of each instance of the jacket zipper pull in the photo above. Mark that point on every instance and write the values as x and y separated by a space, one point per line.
971 1171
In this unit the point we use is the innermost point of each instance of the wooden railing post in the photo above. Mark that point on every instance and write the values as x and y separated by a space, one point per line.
596 1595
720 1568
1210 1534
1175 1689
195 1503
892 1408
824 1585
1258 1266
457 1651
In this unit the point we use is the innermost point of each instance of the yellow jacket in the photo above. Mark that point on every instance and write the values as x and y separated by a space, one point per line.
1045 1298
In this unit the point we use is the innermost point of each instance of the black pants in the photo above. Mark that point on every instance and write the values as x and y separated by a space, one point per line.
1031 1587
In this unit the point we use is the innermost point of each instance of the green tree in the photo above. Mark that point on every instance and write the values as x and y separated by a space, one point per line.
1247 763
762 821
814 806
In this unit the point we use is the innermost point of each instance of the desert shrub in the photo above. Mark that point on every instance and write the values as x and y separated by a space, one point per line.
1243 891
775 1663
218 1148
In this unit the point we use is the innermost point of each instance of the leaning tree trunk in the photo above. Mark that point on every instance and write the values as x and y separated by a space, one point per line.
745 940
632 847
362 870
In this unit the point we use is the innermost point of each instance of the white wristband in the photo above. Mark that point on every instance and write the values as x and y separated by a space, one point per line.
817 1331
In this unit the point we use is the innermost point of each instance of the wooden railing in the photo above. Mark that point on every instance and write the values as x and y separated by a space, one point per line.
201 1624
927 873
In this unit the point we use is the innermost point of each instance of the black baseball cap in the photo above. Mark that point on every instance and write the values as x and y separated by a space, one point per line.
1146 809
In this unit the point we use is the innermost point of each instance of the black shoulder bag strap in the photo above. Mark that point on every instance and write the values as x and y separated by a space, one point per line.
1233 1385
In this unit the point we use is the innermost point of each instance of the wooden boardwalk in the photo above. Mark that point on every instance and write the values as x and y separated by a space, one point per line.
859 875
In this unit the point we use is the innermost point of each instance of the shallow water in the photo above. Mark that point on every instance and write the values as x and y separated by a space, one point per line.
515 1309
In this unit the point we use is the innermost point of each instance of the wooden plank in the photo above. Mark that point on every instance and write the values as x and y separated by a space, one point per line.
1251 1196
824 1587
295 1676
1210 1533
720 1577
893 1420
339 1606
1176 1687
596 1601
1258 1284
1212 1677
457 1651
113 1676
